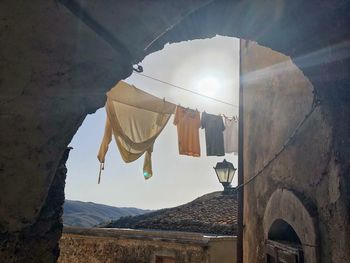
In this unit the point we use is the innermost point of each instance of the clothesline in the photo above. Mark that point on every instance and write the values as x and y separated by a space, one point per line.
234 117
188 90
136 118
139 150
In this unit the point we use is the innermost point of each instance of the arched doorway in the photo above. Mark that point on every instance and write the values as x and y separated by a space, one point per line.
283 244
291 234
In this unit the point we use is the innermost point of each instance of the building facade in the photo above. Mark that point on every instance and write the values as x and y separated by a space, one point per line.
142 246
297 198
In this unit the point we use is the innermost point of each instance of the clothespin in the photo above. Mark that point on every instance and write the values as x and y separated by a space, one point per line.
225 116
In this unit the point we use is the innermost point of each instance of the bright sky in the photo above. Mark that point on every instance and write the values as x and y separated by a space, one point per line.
207 66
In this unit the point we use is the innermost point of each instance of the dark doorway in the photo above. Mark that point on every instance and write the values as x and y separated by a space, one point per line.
283 244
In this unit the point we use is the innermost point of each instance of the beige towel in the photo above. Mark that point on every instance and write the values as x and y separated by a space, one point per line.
135 118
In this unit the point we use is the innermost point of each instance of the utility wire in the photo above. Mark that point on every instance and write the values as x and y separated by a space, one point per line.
314 105
194 92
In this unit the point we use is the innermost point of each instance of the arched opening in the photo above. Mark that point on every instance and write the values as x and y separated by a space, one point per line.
199 74
289 229
283 244
280 230
278 72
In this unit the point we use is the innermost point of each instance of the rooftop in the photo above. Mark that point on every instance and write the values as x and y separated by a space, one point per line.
214 213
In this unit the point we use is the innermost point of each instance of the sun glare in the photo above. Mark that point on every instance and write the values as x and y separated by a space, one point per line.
208 86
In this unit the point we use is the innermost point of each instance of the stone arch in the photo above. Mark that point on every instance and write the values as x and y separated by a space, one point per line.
252 20
71 80
287 206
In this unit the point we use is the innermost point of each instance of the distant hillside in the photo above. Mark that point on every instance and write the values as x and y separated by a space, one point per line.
214 213
87 214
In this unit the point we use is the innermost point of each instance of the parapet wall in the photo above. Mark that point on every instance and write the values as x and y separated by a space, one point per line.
126 245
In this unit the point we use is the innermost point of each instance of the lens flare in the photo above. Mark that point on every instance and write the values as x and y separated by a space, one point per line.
208 86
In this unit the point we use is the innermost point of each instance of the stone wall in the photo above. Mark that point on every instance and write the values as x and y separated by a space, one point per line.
39 242
54 70
137 246
277 96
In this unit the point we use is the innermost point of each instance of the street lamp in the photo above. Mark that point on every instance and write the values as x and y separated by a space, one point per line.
225 172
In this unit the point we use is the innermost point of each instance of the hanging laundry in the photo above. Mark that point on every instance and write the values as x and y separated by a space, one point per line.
214 138
231 135
188 124
135 118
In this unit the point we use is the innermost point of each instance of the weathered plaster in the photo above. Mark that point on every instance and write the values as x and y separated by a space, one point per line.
38 243
277 96
54 71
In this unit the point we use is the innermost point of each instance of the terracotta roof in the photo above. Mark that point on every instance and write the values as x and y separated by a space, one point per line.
214 213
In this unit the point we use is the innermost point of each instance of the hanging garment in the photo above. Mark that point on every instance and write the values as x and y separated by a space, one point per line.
214 126
188 124
135 118
231 135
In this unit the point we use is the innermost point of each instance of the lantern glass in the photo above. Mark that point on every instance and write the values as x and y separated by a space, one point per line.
225 172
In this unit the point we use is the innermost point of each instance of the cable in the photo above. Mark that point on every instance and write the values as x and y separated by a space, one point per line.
314 105
194 92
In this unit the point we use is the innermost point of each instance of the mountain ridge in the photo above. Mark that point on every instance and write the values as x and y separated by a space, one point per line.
89 214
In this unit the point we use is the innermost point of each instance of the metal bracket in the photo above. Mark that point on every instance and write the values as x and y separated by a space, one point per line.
139 69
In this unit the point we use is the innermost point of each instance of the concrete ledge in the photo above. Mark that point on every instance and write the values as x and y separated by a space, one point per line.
170 236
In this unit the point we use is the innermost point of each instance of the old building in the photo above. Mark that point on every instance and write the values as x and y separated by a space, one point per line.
295 198
58 58
126 245
200 231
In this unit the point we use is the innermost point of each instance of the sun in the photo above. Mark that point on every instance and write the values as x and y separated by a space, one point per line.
208 86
